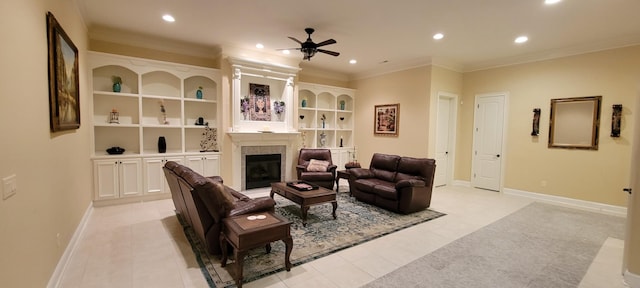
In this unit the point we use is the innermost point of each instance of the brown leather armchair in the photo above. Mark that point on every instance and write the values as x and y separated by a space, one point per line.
326 178
202 202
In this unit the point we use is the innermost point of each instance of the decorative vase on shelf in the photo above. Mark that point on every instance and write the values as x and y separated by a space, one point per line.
304 102
199 93
162 144
117 83
323 139
342 105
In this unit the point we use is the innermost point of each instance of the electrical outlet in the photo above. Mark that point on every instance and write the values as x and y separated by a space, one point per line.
9 186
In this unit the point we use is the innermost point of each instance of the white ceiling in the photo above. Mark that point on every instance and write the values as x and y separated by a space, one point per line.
383 35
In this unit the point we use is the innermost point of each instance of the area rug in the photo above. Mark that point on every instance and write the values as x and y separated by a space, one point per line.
356 223
540 245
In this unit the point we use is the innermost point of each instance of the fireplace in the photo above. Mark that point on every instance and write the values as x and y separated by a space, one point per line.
266 163
262 170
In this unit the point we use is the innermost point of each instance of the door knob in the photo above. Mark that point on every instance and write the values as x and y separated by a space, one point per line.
628 190
498 155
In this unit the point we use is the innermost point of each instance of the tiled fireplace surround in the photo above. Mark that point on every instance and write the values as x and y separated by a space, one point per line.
256 143
261 150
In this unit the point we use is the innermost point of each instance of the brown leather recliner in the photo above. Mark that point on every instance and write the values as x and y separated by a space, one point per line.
326 178
202 202
399 184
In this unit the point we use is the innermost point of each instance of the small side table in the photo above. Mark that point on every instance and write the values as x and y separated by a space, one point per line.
341 174
244 234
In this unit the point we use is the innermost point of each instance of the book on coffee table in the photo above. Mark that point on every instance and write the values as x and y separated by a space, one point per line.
302 185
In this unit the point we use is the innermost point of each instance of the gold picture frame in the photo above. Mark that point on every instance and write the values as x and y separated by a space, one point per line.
575 123
64 91
386 119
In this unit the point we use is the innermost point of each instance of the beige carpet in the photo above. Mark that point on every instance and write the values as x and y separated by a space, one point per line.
540 245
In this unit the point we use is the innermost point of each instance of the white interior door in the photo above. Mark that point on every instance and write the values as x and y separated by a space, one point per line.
445 133
487 141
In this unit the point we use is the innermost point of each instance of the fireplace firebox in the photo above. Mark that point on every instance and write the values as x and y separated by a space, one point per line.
262 170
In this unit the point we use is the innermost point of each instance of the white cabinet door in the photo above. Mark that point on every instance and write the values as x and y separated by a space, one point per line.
105 175
340 156
154 180
335 158
117 178
130 177
208 165
211 166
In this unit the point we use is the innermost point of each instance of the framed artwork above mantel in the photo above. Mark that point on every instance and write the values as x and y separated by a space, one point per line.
262 96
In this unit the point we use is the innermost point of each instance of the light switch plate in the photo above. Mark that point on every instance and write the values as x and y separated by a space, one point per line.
9 186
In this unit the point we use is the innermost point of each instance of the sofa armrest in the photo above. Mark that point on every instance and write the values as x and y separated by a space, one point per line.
253 205
237 194
359 173
332 168
409 183
216 179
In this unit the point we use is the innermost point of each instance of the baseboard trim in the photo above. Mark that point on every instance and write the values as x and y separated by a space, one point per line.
461 183
56 278
574 203
633 280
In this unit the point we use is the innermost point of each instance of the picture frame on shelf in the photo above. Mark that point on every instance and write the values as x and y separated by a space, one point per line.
386 119
64 90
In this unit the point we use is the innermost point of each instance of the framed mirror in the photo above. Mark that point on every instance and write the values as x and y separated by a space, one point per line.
575 123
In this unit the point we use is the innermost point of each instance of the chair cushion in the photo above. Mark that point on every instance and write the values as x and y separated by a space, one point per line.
317 165
317 176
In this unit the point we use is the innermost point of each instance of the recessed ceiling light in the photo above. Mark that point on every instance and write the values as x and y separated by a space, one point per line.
168 18
353 61
438 36
259 46
551 2
287 52
521 39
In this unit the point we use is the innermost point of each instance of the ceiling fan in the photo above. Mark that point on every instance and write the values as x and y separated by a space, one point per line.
309 48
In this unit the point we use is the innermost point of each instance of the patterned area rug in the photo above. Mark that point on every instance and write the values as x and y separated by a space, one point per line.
357 223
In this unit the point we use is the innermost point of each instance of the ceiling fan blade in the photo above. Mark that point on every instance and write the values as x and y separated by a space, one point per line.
326 42
329 52
294 39
288 49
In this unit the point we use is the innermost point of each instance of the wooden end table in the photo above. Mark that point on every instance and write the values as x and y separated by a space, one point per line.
305 198
341 174
244 234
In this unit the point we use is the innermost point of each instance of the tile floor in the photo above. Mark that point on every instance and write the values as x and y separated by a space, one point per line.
142 245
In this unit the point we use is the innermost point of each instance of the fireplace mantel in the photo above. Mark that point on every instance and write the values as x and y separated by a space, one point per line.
239 137
257 139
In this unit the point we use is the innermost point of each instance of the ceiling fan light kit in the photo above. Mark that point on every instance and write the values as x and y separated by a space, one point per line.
309 48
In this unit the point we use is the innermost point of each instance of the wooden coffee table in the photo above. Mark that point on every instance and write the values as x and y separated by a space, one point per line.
305 198
245 232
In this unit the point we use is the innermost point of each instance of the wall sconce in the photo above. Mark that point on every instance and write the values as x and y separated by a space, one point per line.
616 120
536 122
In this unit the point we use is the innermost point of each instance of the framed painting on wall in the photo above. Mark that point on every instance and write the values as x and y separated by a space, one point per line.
259 102
64 92
386 119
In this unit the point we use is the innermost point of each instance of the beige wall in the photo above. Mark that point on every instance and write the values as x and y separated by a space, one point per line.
442 80
53 169
410 88
596 176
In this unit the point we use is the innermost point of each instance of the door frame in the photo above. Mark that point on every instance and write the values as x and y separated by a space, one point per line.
505 120
453 122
